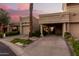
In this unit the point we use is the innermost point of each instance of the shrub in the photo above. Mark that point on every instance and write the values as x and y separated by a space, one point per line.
23 41
36 33
1 34
76 47
67 35
12 33
73 42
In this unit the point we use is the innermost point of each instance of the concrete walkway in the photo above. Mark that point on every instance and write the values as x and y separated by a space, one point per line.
48 46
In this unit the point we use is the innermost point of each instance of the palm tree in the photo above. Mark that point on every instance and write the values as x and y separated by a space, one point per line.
4 19
31 16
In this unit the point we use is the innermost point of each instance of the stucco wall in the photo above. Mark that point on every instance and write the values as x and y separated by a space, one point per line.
25 23
35 24
74 29
74 17
54 18
74 8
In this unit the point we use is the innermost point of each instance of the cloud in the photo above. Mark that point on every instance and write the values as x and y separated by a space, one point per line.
14 18
5 7
23 6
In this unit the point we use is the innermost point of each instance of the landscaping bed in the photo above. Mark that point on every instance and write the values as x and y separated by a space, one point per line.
36 34
12 33
72 43
21 42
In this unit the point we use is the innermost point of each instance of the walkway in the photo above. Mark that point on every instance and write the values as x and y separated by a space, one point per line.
48 46
5 51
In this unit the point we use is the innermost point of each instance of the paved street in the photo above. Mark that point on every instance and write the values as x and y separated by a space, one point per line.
5 51
48 46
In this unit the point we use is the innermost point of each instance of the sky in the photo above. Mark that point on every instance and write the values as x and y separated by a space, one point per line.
15 6
39 8
48 7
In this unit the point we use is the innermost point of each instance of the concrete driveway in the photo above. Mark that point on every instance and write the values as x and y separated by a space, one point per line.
48 46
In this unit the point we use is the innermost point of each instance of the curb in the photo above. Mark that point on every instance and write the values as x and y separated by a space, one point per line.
17 50
69 47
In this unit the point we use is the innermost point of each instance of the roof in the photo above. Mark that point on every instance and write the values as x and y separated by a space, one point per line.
53 14
27 17
72 4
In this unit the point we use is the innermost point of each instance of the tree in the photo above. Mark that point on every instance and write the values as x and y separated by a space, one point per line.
4 19
31 16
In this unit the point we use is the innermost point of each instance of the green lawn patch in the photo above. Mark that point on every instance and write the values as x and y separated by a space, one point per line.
22 41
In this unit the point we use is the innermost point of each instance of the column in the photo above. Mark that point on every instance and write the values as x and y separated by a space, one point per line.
64 29
20 28
68 27
8 28
41 30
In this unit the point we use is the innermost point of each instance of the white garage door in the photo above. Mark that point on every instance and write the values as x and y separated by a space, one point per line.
26 30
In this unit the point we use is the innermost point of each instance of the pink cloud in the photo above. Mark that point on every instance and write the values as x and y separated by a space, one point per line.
5 7
14 17
23 6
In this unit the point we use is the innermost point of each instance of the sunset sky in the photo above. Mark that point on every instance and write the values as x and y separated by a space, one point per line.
15 6
23 8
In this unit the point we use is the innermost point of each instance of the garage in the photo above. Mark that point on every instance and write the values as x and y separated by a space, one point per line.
25 30
52 29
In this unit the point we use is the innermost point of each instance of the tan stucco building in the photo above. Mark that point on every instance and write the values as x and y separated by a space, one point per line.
55 23
66 21
25 25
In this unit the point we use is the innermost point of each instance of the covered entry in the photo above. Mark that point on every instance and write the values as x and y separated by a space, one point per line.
52 29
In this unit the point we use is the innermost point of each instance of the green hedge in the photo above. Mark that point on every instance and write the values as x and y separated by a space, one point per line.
67 35
36 33
74 43
76 47
1 34
12 33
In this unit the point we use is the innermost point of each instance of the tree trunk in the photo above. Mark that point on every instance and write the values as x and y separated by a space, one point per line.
31 15
1 28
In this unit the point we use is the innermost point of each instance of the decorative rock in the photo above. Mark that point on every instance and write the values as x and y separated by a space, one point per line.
20 44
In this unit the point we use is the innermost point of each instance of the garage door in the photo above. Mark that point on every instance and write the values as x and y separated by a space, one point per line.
74 29
26 30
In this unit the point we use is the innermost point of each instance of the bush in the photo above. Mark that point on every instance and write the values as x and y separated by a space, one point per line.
36 33
67 35
12 33
23 41
76 47
73 42
1 35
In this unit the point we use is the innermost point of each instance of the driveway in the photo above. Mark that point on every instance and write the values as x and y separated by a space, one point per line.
48 46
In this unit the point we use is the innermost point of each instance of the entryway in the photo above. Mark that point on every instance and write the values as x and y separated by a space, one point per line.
52 29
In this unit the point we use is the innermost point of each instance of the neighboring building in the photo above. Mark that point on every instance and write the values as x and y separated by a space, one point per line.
25 25
67 21
12 27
